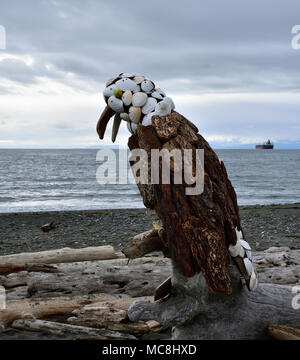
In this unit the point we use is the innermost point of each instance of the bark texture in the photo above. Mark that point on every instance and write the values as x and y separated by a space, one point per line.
199 228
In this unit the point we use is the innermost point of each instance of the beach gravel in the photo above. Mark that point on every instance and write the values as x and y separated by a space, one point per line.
264 226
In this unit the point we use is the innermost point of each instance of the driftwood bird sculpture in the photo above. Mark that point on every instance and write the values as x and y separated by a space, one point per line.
202 232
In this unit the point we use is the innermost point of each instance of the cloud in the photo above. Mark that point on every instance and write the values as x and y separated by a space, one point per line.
229 64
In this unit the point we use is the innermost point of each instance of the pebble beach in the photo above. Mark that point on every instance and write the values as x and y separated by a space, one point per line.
264 225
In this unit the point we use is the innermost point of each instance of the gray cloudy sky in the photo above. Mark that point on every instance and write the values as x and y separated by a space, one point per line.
229 66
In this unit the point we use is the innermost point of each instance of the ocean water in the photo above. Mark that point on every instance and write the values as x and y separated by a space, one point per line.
50 180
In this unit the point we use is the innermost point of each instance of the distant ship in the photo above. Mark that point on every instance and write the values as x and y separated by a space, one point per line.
266 145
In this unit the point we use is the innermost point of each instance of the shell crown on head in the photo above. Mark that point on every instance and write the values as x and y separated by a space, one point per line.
135 99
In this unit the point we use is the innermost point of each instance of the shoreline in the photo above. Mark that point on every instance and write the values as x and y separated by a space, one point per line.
284 205
264 225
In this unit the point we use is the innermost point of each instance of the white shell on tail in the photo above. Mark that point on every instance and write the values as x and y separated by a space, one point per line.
147 86
127 97
115 104
147 120
239 234
249 254
135 114
125 84
170 102
162 108
131 127
236 250
245 245
149 106
253 281
109 91
248 265
139 99
124 116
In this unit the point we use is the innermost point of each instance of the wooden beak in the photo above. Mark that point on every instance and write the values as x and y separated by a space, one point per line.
103 121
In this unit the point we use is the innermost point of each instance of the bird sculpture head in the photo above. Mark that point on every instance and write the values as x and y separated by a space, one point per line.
134 99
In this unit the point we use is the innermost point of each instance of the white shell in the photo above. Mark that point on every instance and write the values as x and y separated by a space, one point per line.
161 92
131 127
124 116
236 250
128 75
109 91
149 106
147 86
248 266
127 97
239 234
147 120
139 99
245 245
135 114
115 104
110 81
170 102
162 108
253 281
137 89
138 79
156 95
249 254
125 84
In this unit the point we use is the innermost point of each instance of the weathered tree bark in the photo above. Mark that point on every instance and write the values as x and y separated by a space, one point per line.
199 228
9 268
64 255
60 329
143 244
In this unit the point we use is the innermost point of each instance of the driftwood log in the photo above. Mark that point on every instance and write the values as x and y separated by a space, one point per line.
49 308
60 329
64 255
83 290
9 268
195 313
48 227
145 243
208 300
282 332
112 315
